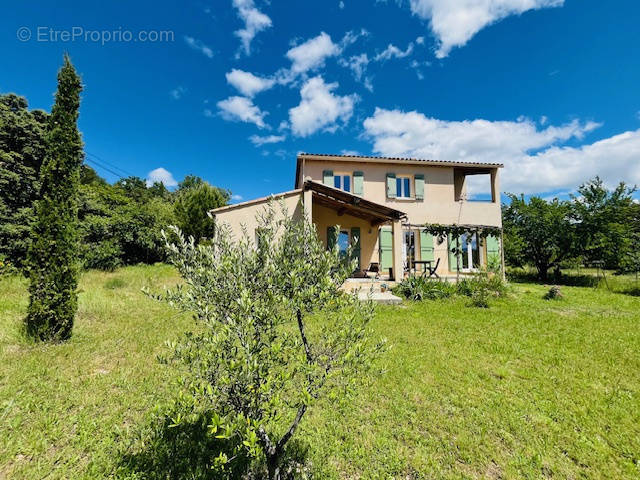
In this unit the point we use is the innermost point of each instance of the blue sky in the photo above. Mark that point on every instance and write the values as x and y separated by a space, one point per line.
551 88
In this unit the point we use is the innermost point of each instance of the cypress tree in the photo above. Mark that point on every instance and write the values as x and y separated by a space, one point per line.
53 255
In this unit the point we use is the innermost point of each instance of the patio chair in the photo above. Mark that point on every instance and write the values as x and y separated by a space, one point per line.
432 271
374 268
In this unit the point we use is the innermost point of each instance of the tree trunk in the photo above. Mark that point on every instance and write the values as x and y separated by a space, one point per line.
543 272
273 467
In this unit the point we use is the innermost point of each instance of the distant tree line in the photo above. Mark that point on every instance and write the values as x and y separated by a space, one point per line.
594 227
119 224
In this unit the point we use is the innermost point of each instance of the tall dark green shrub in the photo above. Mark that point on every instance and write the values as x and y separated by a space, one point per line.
53 255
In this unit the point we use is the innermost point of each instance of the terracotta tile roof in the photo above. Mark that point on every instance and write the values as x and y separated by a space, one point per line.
406 159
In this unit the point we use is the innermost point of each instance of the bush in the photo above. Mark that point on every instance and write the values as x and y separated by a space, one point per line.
553 293
103 256
480 297
6 267
479 288
420 288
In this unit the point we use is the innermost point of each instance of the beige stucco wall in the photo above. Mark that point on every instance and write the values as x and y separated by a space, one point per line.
246 214
439 205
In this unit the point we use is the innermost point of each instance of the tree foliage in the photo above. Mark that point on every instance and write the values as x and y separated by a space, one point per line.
53 255
275 332
22 151
544 232
604 229
195 198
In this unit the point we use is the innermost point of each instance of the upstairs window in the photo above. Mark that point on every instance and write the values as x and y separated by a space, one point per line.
403 187
342 181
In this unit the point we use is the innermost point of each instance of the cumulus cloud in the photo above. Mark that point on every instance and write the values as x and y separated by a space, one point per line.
254 22
241 109
258 141
199 46
319 108
237 197
537 158
247 83
161 175
455 22
312 54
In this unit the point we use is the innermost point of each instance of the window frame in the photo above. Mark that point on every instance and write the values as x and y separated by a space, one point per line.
409 179
341 176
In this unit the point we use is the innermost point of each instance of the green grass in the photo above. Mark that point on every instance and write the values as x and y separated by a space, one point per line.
529 388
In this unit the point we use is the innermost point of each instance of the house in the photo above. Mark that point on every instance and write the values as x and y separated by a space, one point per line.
383 206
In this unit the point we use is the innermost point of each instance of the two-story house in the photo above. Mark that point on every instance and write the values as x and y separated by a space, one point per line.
381 207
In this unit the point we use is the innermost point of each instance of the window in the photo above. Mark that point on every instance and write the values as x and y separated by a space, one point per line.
342 181
343 243
403 187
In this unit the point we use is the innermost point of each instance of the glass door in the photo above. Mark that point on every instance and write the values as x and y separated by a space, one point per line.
470 252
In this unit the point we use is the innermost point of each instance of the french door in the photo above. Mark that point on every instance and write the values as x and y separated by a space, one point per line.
470 252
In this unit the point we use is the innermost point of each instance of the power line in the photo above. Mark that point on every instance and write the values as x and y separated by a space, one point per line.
99 160
104 168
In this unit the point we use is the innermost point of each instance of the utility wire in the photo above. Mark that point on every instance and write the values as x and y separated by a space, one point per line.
103 167
99 160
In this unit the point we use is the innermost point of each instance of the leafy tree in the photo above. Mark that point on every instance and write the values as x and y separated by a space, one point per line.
22 150
134 187
192 205
543 232
53 255
603 217
189 181
275 333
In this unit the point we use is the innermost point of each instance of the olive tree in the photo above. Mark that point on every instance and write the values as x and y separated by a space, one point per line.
275 332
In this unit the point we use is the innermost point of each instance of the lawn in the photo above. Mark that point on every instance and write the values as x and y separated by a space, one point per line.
529 388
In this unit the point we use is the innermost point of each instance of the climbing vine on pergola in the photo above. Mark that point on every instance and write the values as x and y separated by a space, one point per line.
456 231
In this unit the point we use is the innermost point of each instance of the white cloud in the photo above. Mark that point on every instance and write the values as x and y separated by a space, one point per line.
237 197
455 22
536 158
258 141
357 63
161 175
312 54
241 109
319 108
178 92
349 152
254 22
341 5
393 52
199 46
247 83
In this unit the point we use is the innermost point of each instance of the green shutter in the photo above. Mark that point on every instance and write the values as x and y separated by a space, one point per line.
386 249
332 237
493 250
327 177
391 185
453 264
419 178
426 246
358 183
355 244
